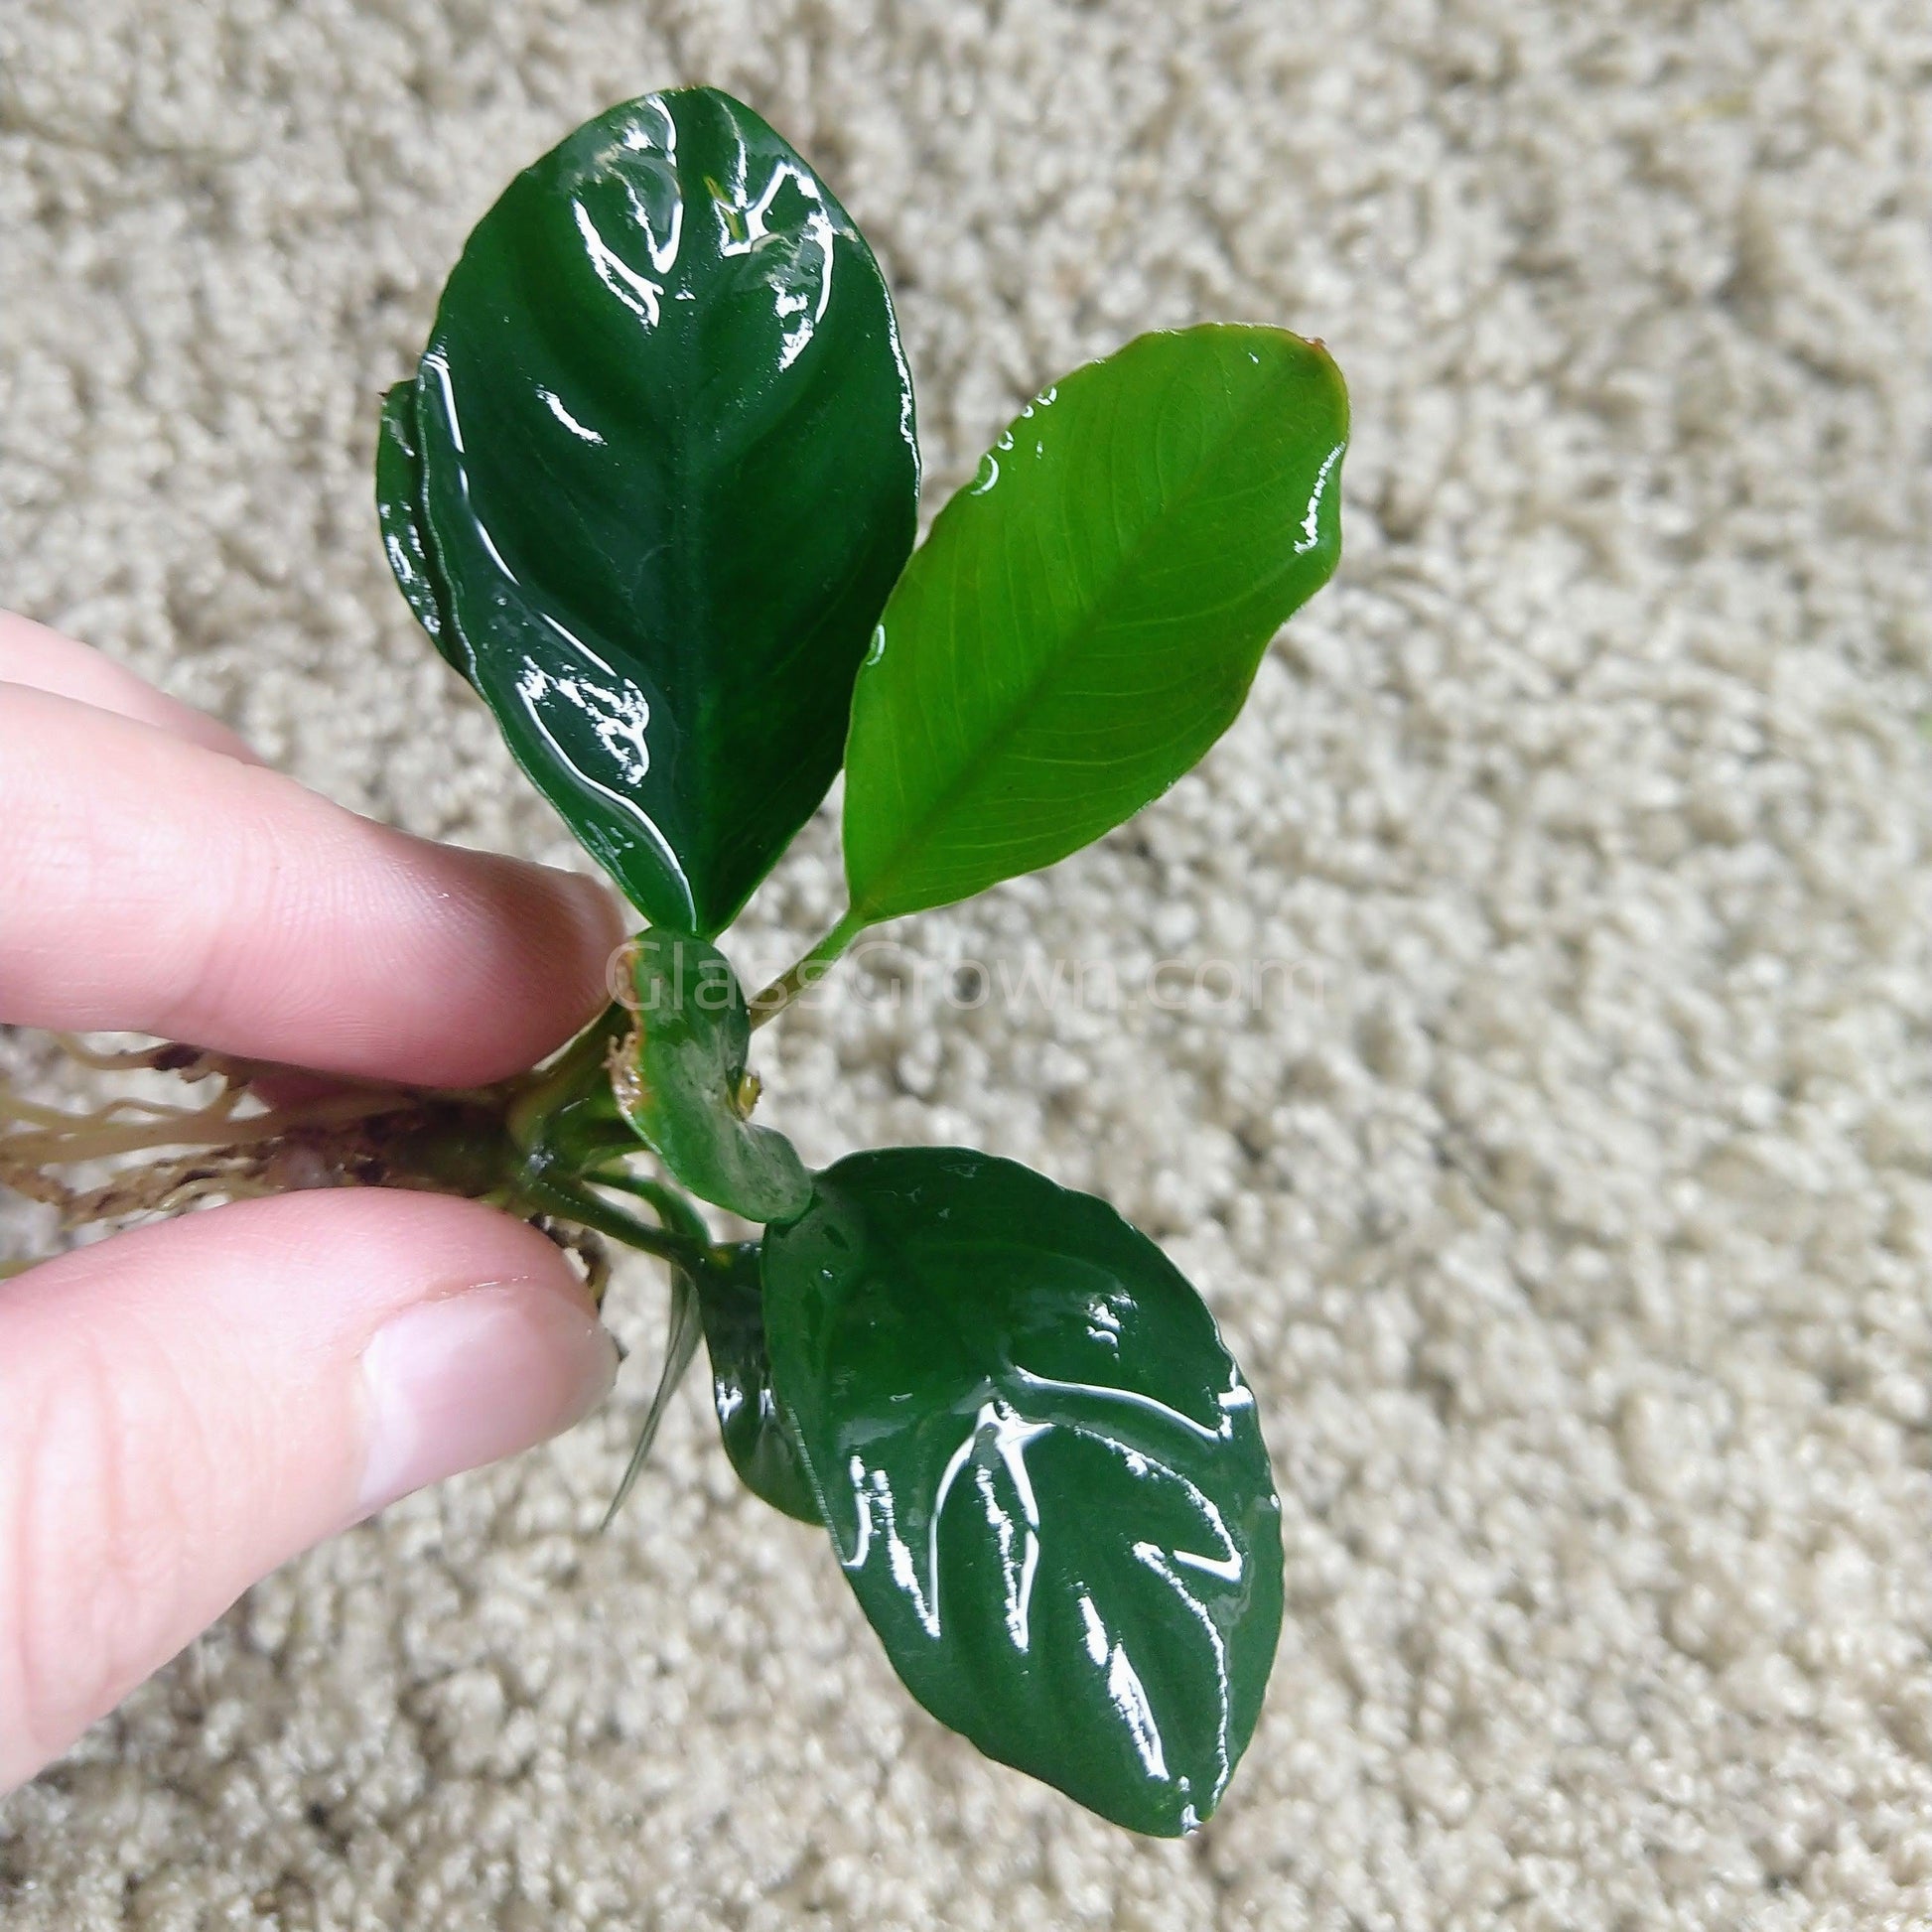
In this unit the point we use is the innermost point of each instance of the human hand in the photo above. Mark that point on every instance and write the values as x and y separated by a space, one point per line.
186 1406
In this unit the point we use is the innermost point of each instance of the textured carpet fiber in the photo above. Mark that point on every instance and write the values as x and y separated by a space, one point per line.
1570 1202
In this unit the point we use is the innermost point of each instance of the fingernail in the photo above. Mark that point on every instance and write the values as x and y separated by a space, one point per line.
461 1382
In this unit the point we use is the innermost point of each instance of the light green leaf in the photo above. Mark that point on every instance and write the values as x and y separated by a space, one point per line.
1085 619
680 1080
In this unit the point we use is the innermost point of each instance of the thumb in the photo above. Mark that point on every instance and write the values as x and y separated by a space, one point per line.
184 1407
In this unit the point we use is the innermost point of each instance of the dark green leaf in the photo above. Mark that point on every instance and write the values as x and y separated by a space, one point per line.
731 1301
1084 620
666 474
399 512
1042 1472
680 1082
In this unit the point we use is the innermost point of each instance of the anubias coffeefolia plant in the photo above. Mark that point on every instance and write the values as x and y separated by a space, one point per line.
653 490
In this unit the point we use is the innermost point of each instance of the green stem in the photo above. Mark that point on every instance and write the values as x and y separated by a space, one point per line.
574 1072
572 1204
665 1202
786 988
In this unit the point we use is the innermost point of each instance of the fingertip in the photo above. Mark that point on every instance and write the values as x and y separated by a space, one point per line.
457 1383
190 1404
159 890
525 965
584 924
44 660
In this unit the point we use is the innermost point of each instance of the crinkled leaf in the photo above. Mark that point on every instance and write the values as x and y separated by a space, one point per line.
756 1440
680 1080
1041 1470
660 477
1085 619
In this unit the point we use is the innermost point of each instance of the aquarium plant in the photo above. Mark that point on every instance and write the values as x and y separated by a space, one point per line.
652 489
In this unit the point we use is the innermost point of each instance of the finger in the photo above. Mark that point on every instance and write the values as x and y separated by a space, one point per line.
32 654
185 1407
155 888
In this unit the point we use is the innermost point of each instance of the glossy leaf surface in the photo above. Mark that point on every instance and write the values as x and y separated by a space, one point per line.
399 512
680 1080
665 477
731 1301
1042 1472
1085 619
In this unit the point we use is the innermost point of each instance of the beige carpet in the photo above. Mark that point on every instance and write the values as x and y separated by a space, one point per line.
1571 1207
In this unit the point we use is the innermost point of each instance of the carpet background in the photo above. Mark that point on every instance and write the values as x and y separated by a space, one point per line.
1573 1216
